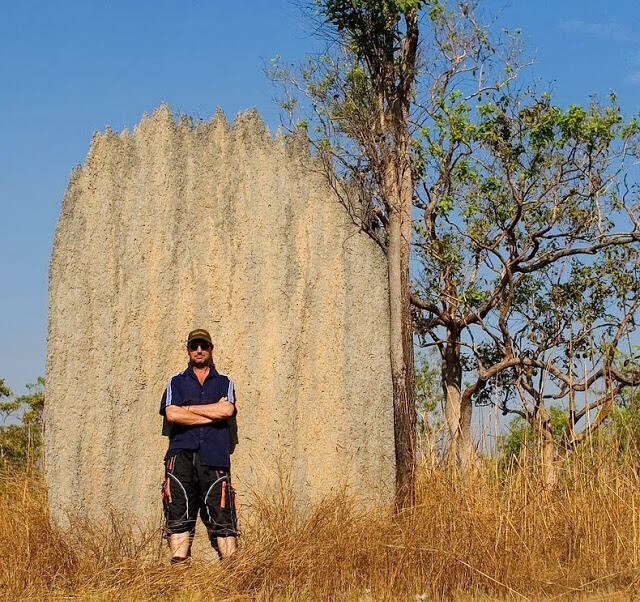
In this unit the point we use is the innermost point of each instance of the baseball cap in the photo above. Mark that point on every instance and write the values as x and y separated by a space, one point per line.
199 334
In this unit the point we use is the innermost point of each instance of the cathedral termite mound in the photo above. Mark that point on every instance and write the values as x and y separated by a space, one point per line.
178 225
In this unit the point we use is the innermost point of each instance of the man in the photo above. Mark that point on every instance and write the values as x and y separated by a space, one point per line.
198 405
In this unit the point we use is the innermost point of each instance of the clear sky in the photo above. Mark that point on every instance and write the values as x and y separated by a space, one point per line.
70 68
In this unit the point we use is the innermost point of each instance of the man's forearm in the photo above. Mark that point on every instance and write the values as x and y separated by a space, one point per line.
181 415
214 411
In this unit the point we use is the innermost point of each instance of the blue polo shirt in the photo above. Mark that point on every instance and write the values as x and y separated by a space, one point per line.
213 440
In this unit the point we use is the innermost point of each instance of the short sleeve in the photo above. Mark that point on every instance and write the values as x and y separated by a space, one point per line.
231 394
171 396
231 397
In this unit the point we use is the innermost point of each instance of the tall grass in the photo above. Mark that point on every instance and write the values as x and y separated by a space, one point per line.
497 535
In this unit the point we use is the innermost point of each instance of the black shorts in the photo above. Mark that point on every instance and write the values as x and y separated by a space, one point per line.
188 487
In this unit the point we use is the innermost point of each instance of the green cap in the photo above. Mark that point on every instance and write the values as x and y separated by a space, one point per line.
199 334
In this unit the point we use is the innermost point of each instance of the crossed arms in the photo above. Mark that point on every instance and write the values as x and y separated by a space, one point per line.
200 414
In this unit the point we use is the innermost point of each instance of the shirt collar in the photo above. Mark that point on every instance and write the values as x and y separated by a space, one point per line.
212 372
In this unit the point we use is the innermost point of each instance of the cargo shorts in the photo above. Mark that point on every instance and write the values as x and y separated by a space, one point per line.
189 487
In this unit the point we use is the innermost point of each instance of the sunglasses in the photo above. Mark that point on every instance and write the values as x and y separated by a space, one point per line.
193 345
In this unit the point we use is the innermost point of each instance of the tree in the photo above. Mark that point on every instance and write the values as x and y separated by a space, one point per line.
529 255
21 444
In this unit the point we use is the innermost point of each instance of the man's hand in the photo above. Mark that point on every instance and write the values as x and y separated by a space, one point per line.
215 411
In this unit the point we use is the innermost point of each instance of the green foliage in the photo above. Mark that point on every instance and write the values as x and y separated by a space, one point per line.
21 444
4 390
521 436
429 395
625 425
356 18
473 296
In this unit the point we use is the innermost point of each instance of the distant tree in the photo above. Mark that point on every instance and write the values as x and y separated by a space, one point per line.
618 433
623 428
4 390
428 393
520 437
21 444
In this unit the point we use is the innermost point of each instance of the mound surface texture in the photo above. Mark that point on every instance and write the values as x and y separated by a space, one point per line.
178 226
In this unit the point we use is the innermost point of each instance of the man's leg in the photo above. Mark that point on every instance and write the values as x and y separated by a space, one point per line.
180 504
227 546
180 546
218 509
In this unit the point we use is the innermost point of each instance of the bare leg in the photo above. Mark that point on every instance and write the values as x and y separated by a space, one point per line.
180 545
227 546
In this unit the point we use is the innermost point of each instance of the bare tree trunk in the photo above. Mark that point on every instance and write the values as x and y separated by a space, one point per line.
466 449
548 463
457 411
451 384
399 188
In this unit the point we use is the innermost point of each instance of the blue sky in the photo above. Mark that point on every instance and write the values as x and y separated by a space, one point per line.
70 68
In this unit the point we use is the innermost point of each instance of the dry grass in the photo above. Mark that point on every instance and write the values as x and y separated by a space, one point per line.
492 537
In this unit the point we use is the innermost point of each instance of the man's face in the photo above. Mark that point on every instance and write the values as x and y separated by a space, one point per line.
199 352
